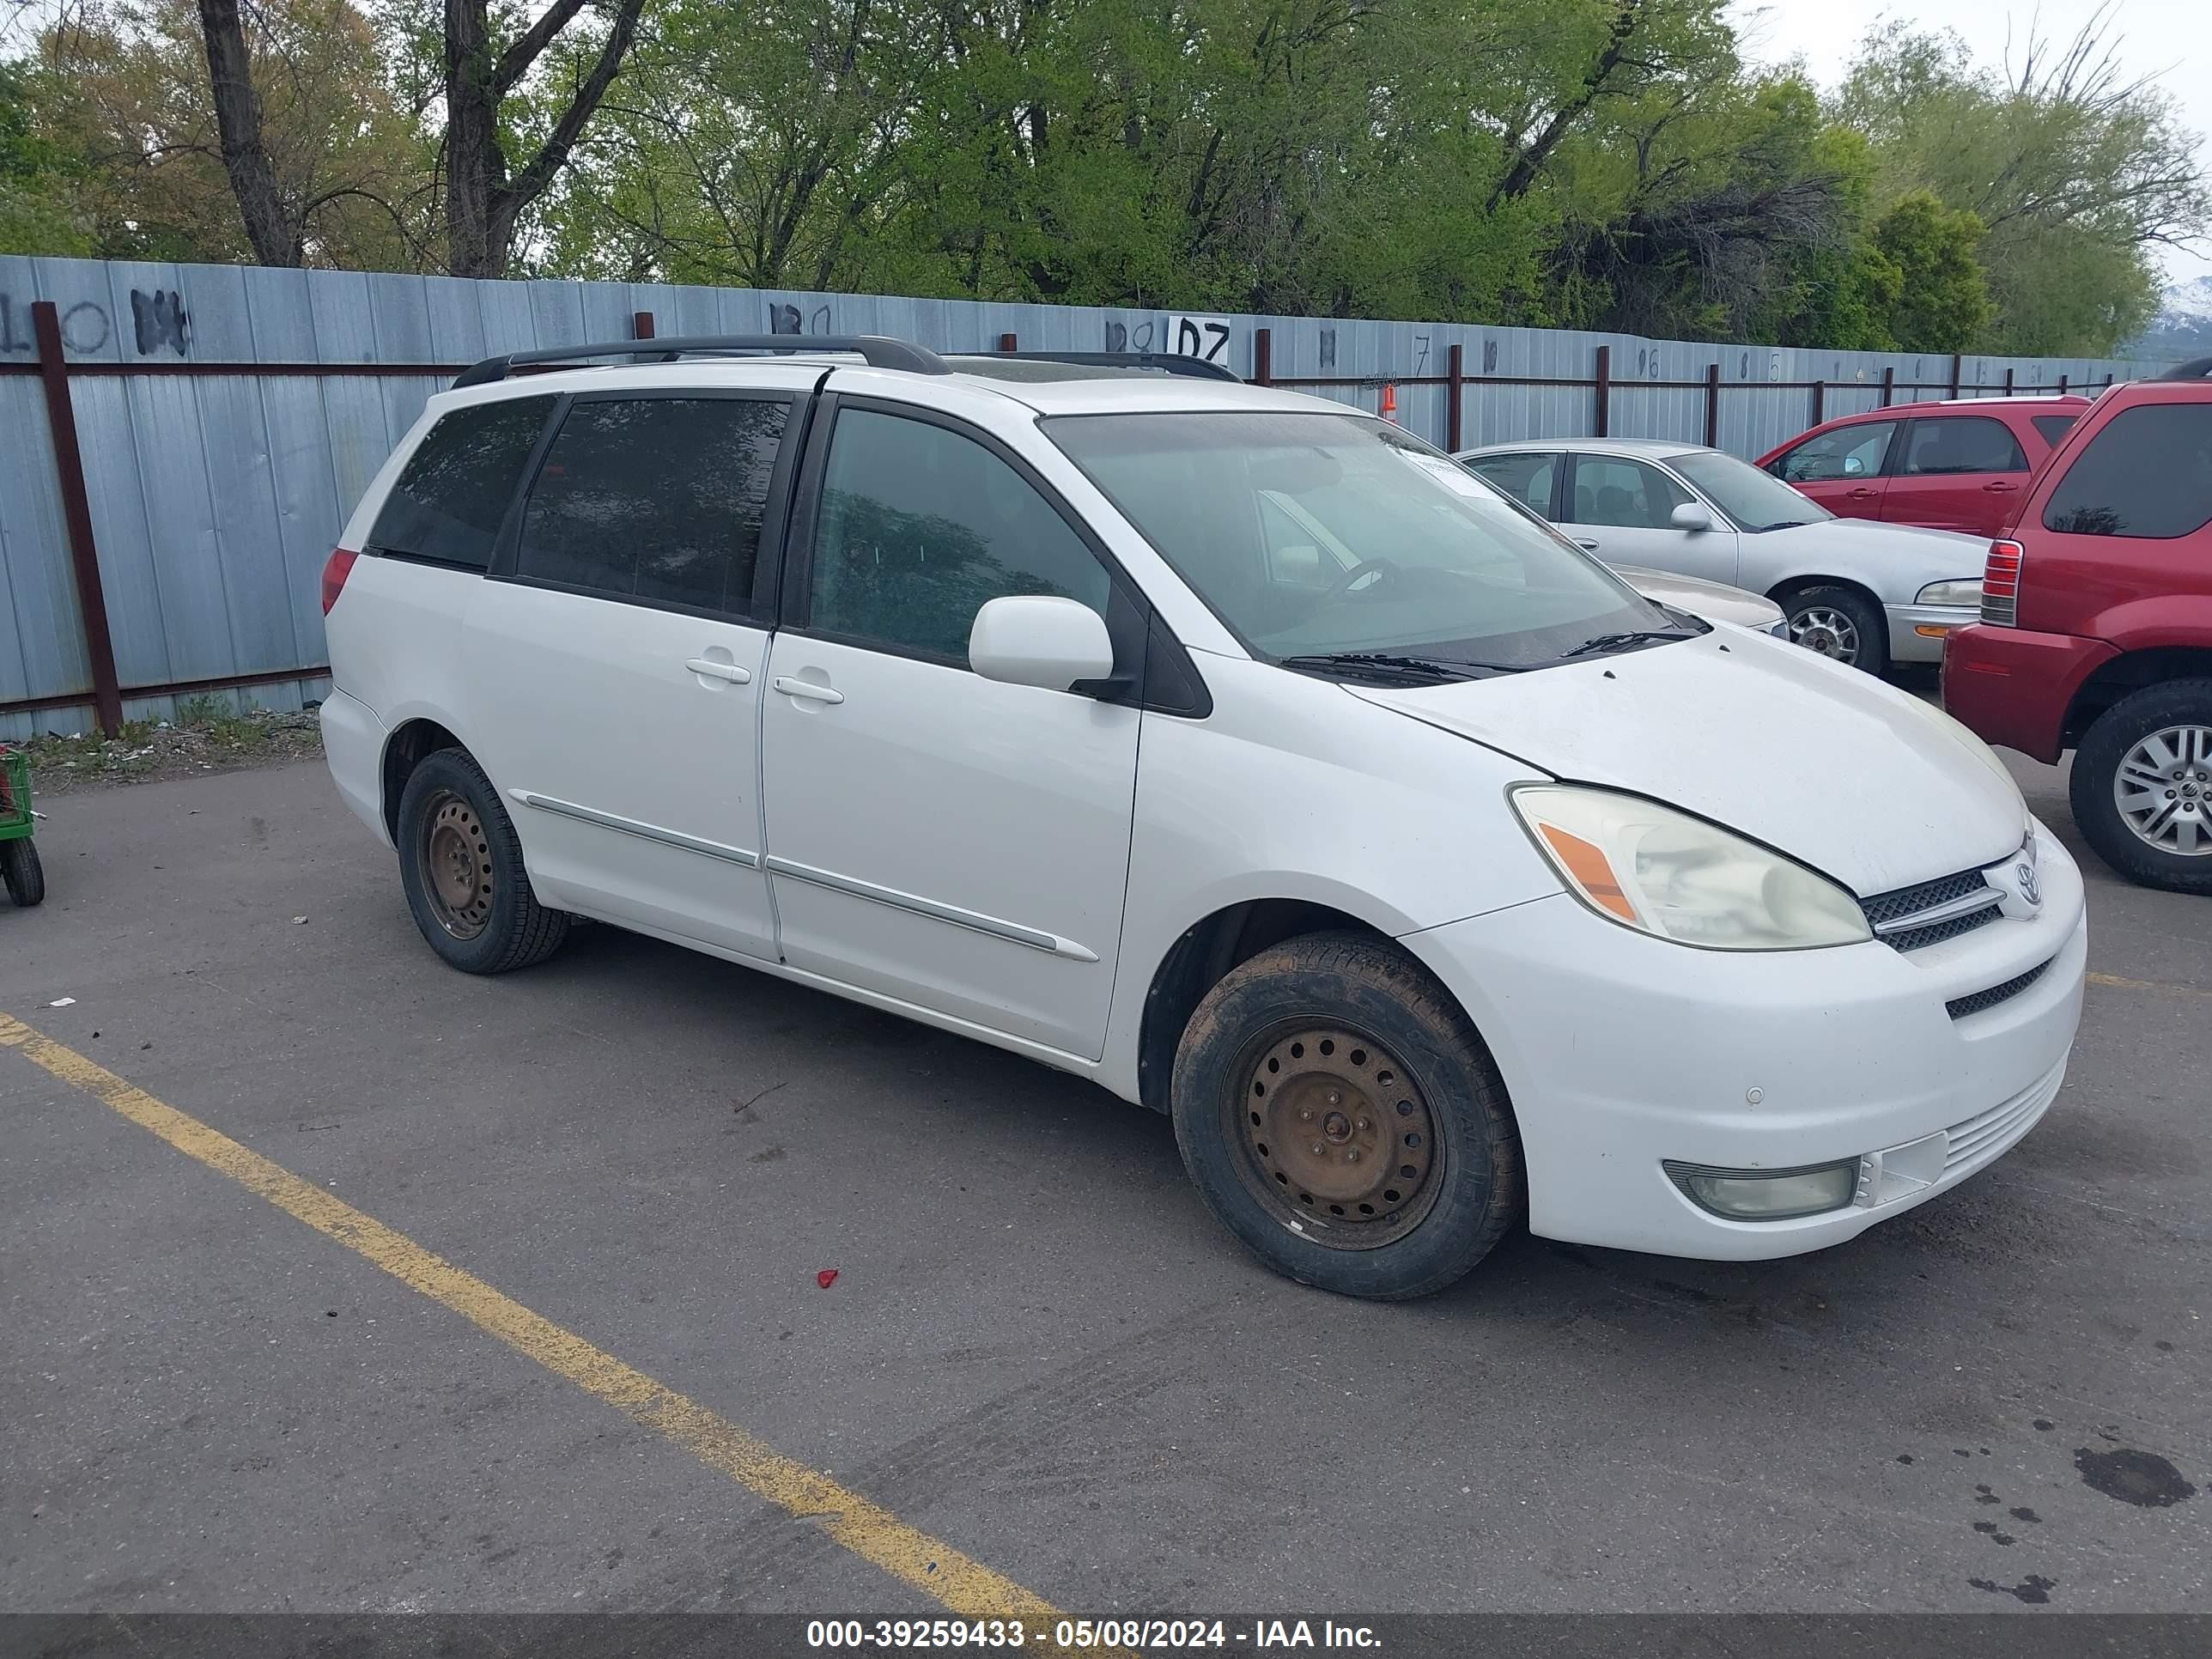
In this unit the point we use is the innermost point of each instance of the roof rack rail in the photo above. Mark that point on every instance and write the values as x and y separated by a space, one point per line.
876 349
2197 368
1168 362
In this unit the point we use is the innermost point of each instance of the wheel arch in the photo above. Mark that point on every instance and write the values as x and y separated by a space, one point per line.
1784 591
2123 676
1203 954
411 742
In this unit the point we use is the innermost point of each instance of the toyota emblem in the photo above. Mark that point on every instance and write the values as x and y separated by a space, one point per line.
2030 888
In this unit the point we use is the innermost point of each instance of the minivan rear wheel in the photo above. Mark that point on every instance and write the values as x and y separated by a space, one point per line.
2142 785
1341 1117
461 864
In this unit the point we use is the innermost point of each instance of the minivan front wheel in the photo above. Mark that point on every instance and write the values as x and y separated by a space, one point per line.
2141 786
1342 1118
461 864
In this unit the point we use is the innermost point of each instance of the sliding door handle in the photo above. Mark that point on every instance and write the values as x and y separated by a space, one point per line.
721 671
813 691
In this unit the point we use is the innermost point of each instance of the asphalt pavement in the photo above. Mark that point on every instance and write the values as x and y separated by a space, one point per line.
1037 1348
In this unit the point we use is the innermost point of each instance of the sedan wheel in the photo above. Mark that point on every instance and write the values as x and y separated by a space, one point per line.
1829 633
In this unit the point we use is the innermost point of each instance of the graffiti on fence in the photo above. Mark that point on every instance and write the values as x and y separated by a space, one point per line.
158 322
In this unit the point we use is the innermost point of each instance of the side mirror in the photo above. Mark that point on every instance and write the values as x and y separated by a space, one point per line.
1037 641
1691 515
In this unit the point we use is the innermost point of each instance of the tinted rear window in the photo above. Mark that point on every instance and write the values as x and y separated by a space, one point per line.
2147 473
456 486
2053 427
658 499
1961 443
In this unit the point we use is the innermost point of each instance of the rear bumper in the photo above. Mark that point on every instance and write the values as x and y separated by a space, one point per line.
1621 1051
1908 644
2013 685
353 747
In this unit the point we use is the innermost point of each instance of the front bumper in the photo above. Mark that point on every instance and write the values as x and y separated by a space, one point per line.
1907 644
1620 1051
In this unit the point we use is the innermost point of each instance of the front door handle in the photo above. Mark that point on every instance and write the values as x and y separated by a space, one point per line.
1587 544
814 690
1861 494
721 671
2000 486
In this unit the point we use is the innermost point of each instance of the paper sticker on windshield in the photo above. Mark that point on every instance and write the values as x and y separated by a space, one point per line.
1450 474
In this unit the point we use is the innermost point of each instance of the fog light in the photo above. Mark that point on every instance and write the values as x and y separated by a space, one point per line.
1766 1195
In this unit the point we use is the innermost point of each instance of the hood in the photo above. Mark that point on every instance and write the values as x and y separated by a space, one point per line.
1717 600
1944 555
1867 785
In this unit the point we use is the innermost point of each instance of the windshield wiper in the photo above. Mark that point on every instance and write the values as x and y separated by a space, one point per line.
1635 636
1384 666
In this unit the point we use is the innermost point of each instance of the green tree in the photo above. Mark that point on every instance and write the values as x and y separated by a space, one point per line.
1943 301
2078 172
40 212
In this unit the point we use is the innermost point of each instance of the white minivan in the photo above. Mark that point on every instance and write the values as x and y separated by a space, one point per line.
1458 884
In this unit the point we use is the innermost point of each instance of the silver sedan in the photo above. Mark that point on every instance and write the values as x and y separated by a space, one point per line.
1860 591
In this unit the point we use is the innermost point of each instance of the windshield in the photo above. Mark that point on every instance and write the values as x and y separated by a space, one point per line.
1754 500
1316 535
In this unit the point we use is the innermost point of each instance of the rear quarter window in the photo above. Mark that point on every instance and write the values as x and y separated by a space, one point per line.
2053 427
446 507
2147 473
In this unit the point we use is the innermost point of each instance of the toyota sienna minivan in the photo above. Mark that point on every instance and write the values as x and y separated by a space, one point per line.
1449 887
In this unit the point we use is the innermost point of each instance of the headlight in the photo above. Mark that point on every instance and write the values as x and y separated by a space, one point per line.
1664 872
1967 590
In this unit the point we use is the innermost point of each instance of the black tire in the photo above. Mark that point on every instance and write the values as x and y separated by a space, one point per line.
1869 622
25 878
1363 991
2096 769
503 926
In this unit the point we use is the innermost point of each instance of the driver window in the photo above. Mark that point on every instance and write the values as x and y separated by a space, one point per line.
1628 494
1849 452
920 526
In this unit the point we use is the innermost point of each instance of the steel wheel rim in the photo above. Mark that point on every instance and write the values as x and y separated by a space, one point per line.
1827 631
457 876
2163 790
1333 1138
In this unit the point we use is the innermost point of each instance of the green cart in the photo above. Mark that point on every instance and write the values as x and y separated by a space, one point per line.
19 859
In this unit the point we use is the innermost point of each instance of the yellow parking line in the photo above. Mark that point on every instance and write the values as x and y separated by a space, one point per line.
967 1587
2117 983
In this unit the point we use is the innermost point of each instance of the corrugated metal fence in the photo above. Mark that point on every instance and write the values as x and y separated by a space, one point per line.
225 418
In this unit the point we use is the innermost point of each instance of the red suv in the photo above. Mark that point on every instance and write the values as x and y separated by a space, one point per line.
2096 630
1957 466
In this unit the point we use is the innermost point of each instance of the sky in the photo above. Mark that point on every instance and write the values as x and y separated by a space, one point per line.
2167 40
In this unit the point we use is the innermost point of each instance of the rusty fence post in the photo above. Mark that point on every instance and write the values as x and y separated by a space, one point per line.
1263 357
2007 380
76 515
1712 405
1006 343
2062 386
640 325
1455 387
1958 362
1604 391
1888 385
1819 402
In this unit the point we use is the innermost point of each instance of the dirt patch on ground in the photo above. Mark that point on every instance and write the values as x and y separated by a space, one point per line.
146 751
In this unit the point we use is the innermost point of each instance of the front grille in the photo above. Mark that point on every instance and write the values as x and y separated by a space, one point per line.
1905 902
1960 1007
